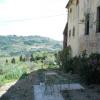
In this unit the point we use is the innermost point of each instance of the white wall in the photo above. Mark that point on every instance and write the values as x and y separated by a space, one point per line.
80 41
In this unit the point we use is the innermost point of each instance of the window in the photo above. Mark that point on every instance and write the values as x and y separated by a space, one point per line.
73 31
69 33
98 20
77 2
70 10
87 18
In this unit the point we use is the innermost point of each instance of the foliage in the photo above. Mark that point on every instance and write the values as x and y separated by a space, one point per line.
6 60
63 57
87 66
17 45
20 69
31 58
20 55
13 61
24 59
10 72
90 71
21 58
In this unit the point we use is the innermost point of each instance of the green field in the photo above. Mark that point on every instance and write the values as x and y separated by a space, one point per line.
42 50
13 71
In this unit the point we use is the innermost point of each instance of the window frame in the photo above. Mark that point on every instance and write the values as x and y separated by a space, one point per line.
98 20
69 33
73 31
87 24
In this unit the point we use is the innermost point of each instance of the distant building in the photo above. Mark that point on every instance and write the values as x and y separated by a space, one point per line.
83 30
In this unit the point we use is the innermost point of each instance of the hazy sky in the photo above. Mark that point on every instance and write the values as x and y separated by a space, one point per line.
33 17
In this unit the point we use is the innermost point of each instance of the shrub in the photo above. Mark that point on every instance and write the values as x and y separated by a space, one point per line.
90 71
88 67
63 57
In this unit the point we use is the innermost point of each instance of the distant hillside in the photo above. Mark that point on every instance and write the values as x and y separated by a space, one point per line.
15 45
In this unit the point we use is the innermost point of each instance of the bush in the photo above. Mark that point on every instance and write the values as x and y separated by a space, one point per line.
88 67
63 57
90 71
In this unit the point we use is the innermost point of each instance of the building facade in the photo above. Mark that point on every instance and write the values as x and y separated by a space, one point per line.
83 32
65 33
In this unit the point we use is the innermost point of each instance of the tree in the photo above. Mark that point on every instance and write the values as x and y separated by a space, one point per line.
13 61
24 59
6 60
31 58
21 58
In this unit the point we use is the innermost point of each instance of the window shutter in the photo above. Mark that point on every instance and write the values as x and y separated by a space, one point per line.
98 20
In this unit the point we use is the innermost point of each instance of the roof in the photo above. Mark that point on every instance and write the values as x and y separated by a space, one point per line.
69 2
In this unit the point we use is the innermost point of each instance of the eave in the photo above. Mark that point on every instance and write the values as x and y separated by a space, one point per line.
69 2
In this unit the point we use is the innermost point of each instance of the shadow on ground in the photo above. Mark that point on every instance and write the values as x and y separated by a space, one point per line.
23 89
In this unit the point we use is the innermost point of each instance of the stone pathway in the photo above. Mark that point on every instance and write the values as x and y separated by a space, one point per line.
41 94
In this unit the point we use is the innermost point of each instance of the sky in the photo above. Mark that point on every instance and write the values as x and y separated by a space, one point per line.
33 17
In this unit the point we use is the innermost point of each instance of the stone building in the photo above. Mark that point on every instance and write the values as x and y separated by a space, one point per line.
83 32
65 33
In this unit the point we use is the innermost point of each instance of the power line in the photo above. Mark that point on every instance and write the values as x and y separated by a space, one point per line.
29 19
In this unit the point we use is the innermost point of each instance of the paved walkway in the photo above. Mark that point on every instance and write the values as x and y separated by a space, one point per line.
41 94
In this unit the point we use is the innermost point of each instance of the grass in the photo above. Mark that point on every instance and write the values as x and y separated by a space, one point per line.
10 72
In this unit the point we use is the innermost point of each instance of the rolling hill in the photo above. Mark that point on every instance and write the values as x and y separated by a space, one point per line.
16 45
